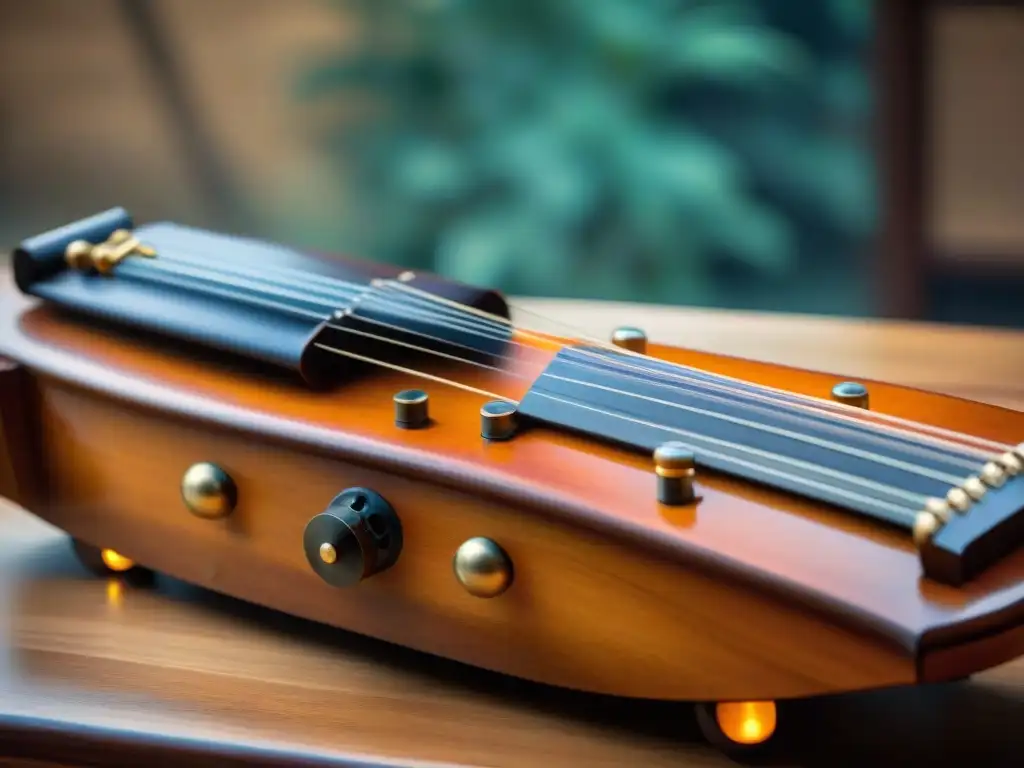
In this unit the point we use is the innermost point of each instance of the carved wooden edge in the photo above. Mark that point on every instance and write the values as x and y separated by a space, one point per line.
78 374
20 468
35 741
961 659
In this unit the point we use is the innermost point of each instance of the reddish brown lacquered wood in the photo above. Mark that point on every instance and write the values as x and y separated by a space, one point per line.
585 611
19 464
957 661
751 594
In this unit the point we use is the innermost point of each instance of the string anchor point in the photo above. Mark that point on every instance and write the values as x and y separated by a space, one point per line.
851 393
103 257
929 521
675 468
630 338
498 420
411 409
993 475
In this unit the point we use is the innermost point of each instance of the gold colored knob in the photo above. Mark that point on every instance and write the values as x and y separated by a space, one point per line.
78 254
633 339
851 393
208 491
483 567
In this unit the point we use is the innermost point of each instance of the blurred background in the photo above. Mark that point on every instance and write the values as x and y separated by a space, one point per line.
836 156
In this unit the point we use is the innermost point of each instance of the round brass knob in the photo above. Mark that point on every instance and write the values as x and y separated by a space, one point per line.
208 491
483 567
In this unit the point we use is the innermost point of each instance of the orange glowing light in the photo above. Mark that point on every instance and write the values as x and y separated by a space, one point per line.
115 561
115 593
747 722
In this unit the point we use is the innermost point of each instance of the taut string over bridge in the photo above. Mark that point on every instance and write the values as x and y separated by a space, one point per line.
961 495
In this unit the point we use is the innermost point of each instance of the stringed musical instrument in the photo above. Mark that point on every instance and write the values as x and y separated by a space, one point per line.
390 453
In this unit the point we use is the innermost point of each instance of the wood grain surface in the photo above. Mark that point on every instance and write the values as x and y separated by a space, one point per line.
721 600
178 670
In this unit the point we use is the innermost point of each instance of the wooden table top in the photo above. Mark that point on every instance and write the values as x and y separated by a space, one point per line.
169 666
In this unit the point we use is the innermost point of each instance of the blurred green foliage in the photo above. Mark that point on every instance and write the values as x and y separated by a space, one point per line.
656 150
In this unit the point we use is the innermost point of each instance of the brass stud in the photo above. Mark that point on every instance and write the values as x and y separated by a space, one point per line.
1011 464
675 468
993 475
483 567
208 491
958 499
926 525
411 408
851 393
328 553
78 254
974 487
103 257
498 420
633 339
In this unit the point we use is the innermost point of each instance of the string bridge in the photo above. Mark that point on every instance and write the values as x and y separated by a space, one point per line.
103 257
977 524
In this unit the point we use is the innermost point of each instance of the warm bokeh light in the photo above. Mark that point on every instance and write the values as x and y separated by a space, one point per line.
747 722
115 561
115 593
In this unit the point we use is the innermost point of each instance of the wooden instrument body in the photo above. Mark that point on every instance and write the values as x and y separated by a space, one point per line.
749 594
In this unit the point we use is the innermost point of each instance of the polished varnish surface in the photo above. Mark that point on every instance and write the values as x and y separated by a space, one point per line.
792 551
181 661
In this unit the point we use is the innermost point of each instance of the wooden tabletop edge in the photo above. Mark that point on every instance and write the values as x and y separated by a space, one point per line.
37 738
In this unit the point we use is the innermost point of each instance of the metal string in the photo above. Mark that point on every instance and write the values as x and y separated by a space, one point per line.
356 316
911 448
205 287
892 512
417 348
837 447
422 298
412 372
254 283
343 289
952 456
917 499
787 395
796 463
913 442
